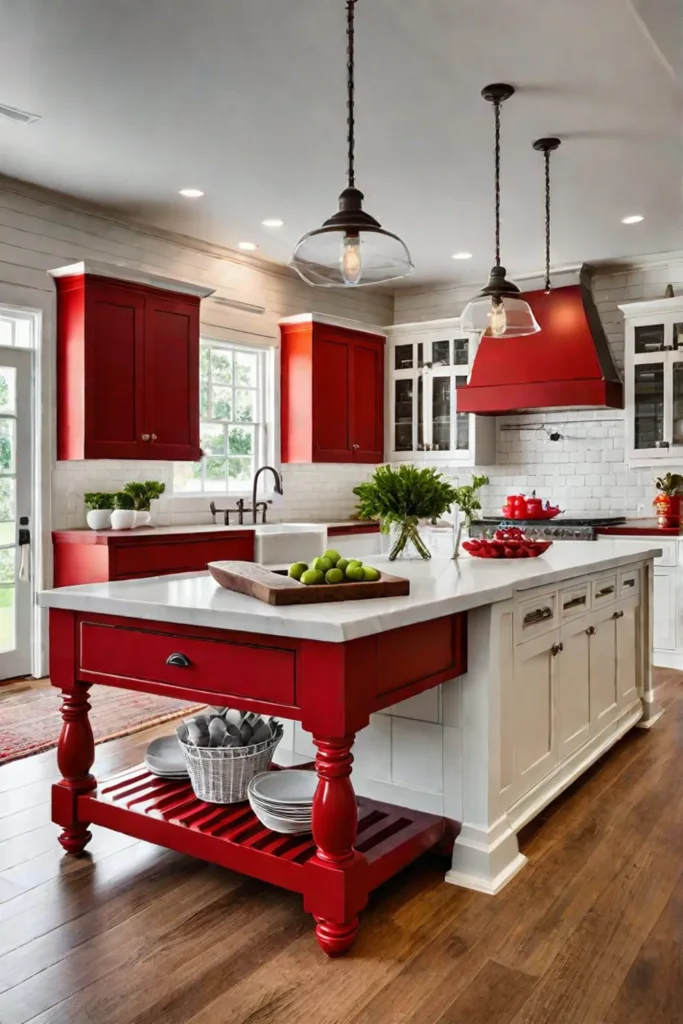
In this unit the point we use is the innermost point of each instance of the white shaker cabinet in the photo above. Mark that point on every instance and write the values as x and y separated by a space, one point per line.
604 691
426 364
653 371
573 688
535 752
664 618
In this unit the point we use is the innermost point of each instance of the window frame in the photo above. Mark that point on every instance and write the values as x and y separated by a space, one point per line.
264 425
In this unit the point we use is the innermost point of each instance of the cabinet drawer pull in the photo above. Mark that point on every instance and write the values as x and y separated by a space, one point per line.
145 437
591 631
179 660
629 583
575 602
618 615
605 591
556 648
537 615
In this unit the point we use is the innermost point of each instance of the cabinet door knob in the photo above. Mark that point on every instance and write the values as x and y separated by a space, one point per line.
355 447
145 437
154 437
591 630
179 660
618 615
556 648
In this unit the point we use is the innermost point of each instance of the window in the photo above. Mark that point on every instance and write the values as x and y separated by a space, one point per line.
234 412
16 331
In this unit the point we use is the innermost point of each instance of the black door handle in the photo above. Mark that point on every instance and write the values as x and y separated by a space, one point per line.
179 660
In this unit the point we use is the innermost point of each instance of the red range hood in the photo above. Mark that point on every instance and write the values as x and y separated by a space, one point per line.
568 364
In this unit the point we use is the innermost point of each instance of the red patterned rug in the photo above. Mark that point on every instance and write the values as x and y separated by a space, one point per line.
30 720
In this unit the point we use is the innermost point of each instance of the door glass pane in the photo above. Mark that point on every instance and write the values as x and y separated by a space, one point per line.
650 339
462 420
7 444
677 403
8 639
649 405
6 332
420 355
441 353
462 351
8 527
678 336
403 357
441 414
403 415
420 415
8 390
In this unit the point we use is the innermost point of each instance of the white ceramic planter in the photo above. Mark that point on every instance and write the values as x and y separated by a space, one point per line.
143 518
98 518
122 519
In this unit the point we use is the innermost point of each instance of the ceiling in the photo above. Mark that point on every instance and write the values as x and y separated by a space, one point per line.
245 100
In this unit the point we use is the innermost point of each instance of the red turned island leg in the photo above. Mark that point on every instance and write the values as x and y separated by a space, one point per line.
75 756
337 879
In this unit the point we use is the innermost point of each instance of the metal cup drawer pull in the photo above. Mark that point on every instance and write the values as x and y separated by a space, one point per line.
179 660
605 591
574 602
537 615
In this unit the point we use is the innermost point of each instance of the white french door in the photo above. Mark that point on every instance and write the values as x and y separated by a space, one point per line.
16 475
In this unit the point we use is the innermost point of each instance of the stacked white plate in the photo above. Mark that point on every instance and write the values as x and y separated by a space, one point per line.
165 758
283 800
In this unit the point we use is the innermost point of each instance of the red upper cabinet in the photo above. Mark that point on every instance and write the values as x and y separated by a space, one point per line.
332 397
127 365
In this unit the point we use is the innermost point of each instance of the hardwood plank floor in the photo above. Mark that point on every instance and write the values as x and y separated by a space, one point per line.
589 932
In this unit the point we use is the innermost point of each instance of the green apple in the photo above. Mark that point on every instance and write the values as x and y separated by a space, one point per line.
297 570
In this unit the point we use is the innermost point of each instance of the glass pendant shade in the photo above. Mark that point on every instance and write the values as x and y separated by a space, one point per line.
351 249
499 311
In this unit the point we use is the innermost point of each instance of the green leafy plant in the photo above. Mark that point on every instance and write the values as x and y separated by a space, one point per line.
98 500
467 497
670 484
143 493
402 496
123 500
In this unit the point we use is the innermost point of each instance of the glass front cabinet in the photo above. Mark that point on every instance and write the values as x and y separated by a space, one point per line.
427 363
653 371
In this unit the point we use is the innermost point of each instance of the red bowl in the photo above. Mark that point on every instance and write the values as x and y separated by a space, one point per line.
546 514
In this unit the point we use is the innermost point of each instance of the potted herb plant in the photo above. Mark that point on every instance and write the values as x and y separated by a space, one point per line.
142 495
668 500
400 498
99 505
123 516
468 504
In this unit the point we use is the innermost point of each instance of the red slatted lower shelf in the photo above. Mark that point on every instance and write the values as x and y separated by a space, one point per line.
169 814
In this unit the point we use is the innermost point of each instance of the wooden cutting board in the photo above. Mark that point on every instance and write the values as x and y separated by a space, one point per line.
275 588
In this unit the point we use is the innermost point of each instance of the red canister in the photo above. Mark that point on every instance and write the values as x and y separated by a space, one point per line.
534 508
519 508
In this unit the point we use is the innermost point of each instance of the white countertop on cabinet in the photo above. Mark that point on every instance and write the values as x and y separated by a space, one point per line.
438 587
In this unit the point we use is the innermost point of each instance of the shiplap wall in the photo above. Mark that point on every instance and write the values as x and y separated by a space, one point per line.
40 231
586 471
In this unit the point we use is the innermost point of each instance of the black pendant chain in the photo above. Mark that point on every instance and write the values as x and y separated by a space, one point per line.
496 114
547 146
350 85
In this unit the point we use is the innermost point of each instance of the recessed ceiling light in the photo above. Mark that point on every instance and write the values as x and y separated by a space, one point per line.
461 256
247 246
272 222
635 218
191 193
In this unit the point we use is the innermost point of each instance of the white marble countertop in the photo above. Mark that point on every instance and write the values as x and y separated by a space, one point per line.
438 587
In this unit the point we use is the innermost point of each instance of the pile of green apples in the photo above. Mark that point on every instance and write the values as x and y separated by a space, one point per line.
332 568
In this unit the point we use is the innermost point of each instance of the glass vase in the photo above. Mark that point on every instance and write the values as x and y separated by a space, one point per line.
407 541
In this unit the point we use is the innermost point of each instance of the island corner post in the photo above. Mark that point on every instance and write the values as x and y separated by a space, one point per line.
330 688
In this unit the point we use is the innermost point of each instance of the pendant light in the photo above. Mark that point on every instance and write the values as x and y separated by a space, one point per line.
547 146
499 311
351 248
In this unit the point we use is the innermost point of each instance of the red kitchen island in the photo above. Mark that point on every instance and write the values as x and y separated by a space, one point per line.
518 726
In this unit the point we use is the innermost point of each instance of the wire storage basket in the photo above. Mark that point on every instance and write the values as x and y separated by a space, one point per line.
221 775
